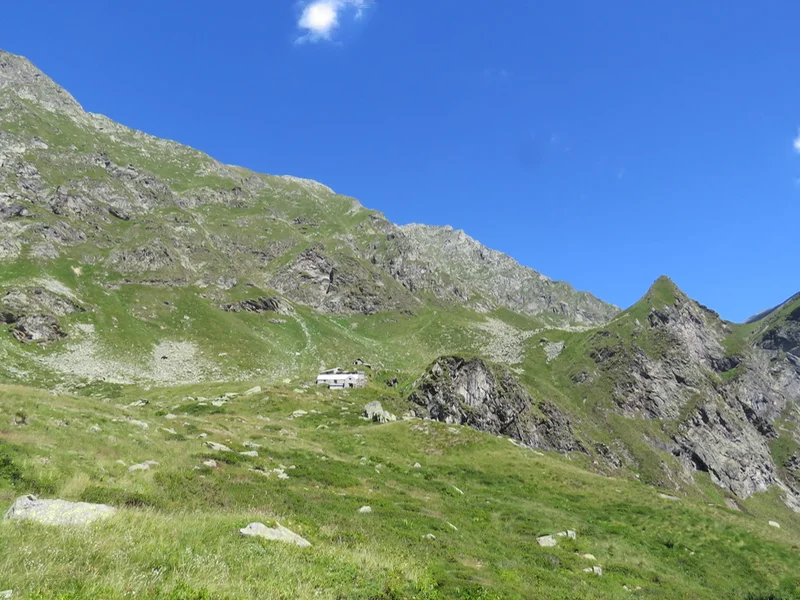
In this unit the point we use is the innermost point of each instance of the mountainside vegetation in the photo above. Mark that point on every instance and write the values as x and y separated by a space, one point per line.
145 287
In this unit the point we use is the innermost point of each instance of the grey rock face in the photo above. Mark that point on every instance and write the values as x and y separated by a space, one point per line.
721 442
489 398
37 329
57 512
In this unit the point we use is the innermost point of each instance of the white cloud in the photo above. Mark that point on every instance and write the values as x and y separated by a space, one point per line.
797 142
320 18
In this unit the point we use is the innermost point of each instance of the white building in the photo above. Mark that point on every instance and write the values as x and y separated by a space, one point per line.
336 379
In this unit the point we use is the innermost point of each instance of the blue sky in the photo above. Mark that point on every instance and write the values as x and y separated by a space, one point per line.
602 143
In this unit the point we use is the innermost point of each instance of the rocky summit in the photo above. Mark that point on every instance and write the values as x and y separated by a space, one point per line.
163 321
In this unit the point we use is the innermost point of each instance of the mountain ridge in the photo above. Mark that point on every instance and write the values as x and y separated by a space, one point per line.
134 260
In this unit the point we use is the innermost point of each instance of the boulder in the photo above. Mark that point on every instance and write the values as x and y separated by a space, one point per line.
57 512
546 541
218 447
375 412
279 534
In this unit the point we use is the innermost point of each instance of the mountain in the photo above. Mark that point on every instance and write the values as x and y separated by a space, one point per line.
145 285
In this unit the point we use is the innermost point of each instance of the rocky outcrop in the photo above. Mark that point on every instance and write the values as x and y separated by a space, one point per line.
338 284
489 398
37 329
22 301
258 305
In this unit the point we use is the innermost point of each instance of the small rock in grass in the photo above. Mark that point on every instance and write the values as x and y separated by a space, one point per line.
546 541
250 453
142 466
95 429
298 413
568 533
453 527
139 403
210 463
417 466
169 430
218 447
251 445
203 436
774 524
278 533
6 594
365 509
668 497
597 570
588 556
458 490
430 536
252 391
170 417
218 403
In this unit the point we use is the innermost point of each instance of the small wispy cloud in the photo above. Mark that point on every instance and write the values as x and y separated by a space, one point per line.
319 19
796 143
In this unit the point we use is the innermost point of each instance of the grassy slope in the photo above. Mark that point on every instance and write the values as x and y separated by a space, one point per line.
178 537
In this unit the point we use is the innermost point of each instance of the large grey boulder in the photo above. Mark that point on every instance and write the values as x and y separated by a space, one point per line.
279 533
374 411
57 512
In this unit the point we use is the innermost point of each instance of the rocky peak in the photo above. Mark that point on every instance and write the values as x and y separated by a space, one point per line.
19 76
